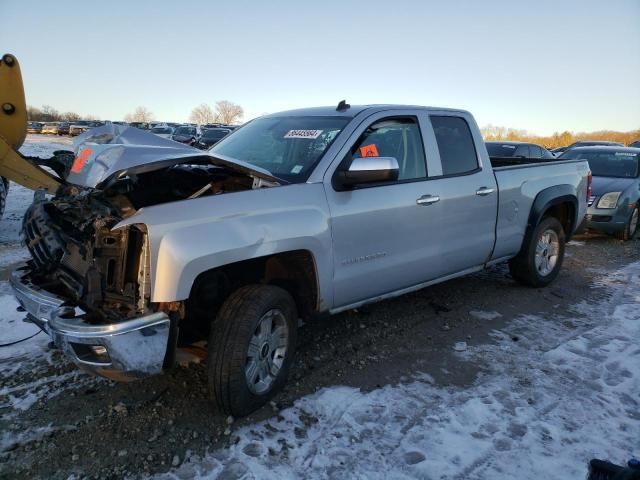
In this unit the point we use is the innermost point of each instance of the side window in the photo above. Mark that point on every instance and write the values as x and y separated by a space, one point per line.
455 143
546 154
522 151
395 137
535 151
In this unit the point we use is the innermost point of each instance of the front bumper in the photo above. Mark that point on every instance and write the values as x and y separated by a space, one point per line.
607 220
126 350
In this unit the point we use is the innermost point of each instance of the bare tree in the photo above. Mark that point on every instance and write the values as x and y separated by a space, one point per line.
70 116
202 114
50 114
228 112
140 114
34 113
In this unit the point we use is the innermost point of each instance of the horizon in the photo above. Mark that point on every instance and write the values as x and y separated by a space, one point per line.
268 59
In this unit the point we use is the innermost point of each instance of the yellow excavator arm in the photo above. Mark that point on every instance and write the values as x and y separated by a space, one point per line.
13 131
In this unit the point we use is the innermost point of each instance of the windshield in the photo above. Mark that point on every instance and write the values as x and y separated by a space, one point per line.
288 147
161 130
500 149
215 133
607 164
185 131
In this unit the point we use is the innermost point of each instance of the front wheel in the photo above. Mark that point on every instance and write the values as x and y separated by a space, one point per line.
631 228
251 347
539 262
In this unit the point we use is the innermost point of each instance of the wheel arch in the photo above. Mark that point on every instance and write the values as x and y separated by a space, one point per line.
295 271
559 201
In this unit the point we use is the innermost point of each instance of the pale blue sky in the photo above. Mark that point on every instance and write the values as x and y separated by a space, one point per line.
539 65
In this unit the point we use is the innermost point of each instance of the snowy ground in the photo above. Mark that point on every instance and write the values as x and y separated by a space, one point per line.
554 382
559 392
19 198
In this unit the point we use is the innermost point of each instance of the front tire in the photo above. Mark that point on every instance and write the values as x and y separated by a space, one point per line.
539 263
251 347
631 228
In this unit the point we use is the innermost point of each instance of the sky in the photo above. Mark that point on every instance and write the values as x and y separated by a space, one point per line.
541 65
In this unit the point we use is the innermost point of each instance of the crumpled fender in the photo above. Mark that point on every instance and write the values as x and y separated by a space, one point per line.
189 237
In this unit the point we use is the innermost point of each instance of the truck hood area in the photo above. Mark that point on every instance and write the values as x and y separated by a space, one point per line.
113 173
105 153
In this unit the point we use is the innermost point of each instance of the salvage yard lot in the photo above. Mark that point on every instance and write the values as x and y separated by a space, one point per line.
475 378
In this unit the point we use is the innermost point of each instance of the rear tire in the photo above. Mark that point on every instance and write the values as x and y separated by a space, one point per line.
251 347
631 228
539 263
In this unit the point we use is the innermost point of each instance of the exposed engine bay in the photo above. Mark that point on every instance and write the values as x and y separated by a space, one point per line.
77 255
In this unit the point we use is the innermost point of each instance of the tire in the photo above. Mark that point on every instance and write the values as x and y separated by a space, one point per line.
630 231
242 319
533 270
4 190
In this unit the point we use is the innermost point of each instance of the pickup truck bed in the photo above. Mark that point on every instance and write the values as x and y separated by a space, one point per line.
520 181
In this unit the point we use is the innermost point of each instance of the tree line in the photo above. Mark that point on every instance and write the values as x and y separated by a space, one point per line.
558 139
47 113
223 111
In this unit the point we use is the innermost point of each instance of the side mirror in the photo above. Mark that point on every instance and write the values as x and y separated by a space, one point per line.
368 170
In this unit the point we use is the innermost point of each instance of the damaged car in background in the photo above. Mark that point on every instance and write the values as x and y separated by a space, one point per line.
147 245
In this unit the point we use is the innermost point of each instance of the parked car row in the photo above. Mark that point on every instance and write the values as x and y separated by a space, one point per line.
202 137
63 128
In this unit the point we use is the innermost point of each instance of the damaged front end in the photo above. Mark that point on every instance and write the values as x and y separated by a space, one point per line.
88 283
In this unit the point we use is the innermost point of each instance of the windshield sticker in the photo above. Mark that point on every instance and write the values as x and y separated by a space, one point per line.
625 154
303 134
369 151
296 169
81 160
508 146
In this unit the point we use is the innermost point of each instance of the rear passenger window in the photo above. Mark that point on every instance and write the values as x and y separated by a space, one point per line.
522 151
536 151
455 143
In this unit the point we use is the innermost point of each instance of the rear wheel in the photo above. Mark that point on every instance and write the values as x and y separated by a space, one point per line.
631 228
538 264
251 347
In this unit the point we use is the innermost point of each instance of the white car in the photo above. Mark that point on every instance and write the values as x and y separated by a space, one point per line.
164 132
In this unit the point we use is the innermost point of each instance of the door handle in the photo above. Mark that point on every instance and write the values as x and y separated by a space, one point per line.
484 191
428 200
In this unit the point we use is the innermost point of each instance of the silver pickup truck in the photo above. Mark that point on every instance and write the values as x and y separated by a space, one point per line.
149 245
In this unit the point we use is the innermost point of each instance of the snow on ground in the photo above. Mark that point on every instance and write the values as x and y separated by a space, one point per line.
482 315
19 198
557 392
31 354
43 146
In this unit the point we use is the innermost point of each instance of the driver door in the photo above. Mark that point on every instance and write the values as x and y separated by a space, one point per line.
381 231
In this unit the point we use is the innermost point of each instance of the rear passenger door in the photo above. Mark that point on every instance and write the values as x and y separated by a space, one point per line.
466 214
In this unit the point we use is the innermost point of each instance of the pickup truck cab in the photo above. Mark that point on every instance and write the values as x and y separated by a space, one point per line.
295 214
